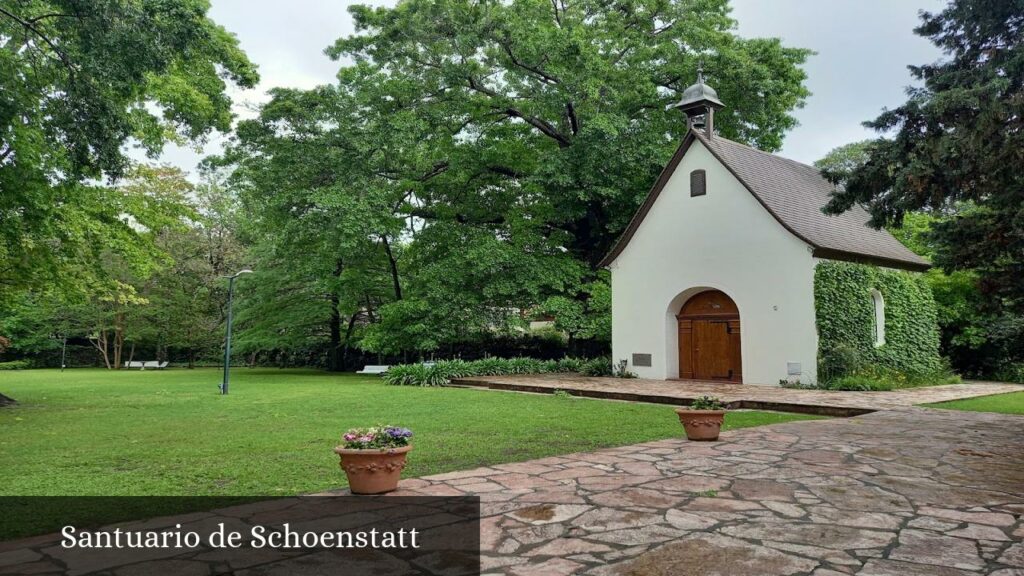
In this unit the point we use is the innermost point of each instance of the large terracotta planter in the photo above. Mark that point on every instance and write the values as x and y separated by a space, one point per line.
372 471
701 425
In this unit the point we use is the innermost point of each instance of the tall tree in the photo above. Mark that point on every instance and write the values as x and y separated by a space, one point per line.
81 80
958 141
504 145
980 340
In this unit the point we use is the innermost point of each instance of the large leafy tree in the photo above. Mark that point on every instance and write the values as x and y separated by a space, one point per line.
979 340
81 81
957 142
503 145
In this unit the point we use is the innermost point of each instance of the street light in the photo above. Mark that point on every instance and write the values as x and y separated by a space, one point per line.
227 342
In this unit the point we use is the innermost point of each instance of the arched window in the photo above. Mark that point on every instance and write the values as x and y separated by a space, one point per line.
698 183
879 302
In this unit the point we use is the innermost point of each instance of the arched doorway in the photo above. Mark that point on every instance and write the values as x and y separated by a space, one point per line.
709 338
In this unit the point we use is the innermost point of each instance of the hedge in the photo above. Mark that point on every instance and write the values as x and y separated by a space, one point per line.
442 372
845 317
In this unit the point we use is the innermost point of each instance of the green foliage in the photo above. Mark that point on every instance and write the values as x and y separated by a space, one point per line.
838 361
707 403
442 372
979 338
568 364
869 378
845 320
861 383
598 367
475 160
844 159
587 316
81 82
416 375
953 143
1012 372
15 365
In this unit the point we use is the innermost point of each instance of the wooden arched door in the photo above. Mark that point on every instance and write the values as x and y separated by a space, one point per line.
709 338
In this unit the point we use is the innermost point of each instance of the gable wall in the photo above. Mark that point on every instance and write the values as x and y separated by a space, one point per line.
725 240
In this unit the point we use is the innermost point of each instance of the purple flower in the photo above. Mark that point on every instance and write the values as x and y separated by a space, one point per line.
399 432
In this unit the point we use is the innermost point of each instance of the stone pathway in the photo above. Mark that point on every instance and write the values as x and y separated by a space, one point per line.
681 392
910 492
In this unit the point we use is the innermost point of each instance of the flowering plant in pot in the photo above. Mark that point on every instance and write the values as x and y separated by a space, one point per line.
373 458
703 418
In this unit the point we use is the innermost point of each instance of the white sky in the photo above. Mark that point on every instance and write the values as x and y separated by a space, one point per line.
863 49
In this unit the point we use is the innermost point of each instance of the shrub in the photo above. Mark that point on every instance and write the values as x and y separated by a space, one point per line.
597 367
861 383
442 372
15 365
456 368
569 364
620 370
838 361
1014 372
707 403
416 375
376 438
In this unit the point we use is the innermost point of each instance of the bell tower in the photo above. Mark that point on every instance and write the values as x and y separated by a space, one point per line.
699 103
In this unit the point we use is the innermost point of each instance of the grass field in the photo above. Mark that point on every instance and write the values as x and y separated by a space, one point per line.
96 432
131 433
1012 403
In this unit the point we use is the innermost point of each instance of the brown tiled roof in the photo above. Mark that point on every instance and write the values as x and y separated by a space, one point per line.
794 194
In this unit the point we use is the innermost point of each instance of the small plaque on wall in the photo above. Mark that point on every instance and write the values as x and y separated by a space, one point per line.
642 360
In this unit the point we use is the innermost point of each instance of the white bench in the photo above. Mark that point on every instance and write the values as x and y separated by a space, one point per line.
152 364
372 369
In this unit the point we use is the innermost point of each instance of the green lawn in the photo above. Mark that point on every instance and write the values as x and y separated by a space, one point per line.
1012 403
96 432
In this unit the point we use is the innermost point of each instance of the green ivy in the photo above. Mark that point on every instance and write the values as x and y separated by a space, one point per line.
846 312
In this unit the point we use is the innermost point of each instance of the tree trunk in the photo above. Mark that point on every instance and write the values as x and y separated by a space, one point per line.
348 339
334 360
100 343
394 268
6 400
118 339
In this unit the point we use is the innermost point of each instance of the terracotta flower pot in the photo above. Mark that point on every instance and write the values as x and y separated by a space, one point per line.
701 425
372 471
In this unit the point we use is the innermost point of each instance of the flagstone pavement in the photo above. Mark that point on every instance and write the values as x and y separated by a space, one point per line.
908 492
755 397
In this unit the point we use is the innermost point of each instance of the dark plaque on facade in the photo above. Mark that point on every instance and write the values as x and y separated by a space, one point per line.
642 360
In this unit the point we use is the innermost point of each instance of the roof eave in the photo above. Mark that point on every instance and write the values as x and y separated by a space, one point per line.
834 254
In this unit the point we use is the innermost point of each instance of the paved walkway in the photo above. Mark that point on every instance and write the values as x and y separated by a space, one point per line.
681 392
909 492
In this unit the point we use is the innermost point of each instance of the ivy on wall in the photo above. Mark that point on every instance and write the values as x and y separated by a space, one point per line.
846 316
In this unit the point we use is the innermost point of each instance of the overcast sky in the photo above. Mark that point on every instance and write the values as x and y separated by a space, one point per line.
863 48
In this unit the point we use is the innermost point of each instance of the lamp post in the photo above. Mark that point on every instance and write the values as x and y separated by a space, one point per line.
227 341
